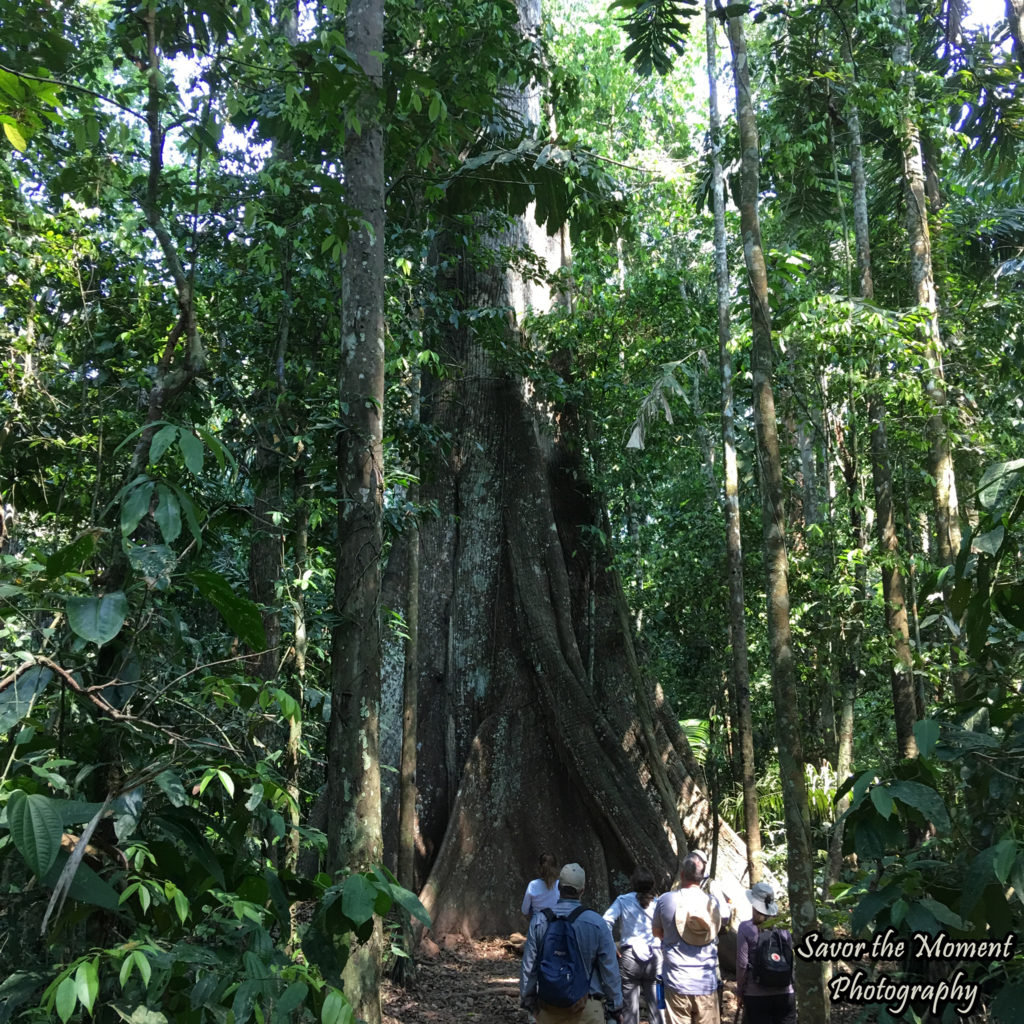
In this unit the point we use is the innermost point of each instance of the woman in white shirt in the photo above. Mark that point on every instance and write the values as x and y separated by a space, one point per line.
542 892
639 950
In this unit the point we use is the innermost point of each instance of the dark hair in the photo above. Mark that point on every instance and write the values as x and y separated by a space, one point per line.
643 885
548 869
690 872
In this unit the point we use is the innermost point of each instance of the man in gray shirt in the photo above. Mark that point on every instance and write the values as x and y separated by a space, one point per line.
597 950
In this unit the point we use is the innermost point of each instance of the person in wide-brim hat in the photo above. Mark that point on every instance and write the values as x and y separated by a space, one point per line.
761 1005
762 899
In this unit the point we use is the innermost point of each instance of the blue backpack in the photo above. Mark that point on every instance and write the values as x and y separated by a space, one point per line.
562 978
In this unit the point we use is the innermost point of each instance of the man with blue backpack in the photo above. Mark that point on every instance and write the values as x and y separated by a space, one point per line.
570 966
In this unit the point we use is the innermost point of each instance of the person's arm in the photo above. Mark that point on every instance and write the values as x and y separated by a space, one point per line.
608 971
656 927
527 900
743 944
612 914
528 972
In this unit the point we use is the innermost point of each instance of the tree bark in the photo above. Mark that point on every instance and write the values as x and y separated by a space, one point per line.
410 680
940 460
739 668
809 978
893 590
353 767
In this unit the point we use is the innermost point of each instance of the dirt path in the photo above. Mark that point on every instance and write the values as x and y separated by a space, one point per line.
472 981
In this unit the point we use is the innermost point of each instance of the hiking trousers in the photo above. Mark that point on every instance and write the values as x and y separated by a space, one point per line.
683 1009
638 976
776 1009
593 1013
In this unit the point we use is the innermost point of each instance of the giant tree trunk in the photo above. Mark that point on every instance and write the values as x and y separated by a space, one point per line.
809 979
523 747
739 669
353 764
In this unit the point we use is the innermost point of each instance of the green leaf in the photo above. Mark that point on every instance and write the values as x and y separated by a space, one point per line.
86 886
67 998
336 1010
357 898
1003 859
172 788
36 829
870 904
944 914
241 1006
926 735
98 619
1005 1008
135 505
411 902
16 700
192 450
999 484
924 799
921 919
990 543
14 137
241 615
168 514
70 557
882 801
87 983
292 998
162 440
139 1015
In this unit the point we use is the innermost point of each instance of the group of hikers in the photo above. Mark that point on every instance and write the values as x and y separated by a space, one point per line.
575 971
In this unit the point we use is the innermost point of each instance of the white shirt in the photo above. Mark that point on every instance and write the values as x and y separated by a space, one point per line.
634 924
539 896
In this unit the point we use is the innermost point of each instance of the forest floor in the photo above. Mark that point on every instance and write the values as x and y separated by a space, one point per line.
473 981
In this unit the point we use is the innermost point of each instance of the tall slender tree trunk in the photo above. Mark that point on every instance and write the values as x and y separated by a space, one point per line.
739 668
940 460
353 765
410 683
809 976
893 589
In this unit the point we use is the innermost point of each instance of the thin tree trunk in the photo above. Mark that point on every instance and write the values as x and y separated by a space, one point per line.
407 768
903 699
904 704
940 460
353 771
809 976
739 668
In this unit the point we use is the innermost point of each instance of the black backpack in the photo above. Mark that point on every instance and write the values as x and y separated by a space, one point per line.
562 977
772 963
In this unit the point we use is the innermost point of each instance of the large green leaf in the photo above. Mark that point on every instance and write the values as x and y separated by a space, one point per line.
98 619
136 504
1000 483
16 700
924 799
86 886
192 450
242 615
168 514
71 556
36 829
358 898
1007 1004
